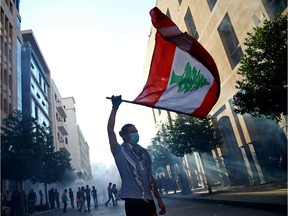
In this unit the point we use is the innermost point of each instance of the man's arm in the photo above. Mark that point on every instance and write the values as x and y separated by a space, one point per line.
116 101
158 197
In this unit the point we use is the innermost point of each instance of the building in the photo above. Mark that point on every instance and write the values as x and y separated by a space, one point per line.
58 117
78 147
36 81
10 61
252 146
10 57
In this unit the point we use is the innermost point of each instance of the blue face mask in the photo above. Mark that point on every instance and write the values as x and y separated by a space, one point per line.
134 138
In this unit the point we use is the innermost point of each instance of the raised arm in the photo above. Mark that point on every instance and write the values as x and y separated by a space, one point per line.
116 101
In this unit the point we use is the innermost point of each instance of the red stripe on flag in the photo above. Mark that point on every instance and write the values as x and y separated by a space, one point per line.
208 102
159 72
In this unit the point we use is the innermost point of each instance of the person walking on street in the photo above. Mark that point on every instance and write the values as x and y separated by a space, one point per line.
115 194
110 194
135 168
51 198
82 199
57 197
78 197
64 200
71 197
94 195
88 197
32 198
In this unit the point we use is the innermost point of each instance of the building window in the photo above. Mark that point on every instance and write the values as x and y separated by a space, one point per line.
230 41
180 2
66 140
190 25
274 6
211 4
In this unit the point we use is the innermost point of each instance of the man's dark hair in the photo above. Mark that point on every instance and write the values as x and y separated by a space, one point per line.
124 129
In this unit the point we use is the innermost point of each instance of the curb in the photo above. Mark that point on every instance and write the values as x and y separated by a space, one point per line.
256 205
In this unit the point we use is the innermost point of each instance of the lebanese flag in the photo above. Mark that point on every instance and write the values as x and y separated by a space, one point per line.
183 76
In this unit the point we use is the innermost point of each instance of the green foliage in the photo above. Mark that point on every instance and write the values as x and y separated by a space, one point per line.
189 134
263 89
27 151
18 147
160 153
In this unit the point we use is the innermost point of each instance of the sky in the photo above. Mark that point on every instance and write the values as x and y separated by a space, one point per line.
95 49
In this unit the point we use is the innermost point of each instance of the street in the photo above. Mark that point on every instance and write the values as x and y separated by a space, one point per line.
175 207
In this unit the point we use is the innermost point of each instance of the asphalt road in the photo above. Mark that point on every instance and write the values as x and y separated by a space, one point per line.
174 207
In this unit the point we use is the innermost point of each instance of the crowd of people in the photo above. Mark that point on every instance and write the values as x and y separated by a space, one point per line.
11 202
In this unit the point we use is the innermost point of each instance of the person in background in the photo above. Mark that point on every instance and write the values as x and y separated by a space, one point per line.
110 194
71 197
88 197
57 197
64 200
32 199
78 197
135 168
115 194
82 199
94 195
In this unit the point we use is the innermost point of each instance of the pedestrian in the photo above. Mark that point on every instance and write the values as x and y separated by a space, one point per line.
88 197
110 194
78 197
71 197
115 194
94 195
82 199
16 203
51 198
64 199
135 168
32 199
25 201
41 195
57 197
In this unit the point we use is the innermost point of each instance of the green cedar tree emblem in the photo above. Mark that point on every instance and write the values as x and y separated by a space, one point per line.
191 79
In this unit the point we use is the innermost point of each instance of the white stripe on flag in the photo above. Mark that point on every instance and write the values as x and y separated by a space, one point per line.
189 101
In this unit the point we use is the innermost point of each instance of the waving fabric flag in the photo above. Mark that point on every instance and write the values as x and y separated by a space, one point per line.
183 76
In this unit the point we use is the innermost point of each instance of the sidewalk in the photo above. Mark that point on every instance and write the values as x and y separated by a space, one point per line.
266 196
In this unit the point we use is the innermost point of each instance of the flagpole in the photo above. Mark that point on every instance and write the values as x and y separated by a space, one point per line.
123 100
169 110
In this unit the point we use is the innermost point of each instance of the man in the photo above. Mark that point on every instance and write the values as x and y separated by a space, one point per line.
64 200
82 199
110 194
134 165
94 195
88 197
71 196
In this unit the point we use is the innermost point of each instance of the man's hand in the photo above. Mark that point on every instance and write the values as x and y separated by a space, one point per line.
116 101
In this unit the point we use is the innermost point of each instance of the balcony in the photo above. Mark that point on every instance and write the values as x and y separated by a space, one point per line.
63 146
61 109
62 127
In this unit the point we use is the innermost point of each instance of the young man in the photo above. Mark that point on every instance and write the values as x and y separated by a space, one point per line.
134 165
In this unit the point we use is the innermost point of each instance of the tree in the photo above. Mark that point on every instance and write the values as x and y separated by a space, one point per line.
18 147
162 156
189 134
53 165
263 89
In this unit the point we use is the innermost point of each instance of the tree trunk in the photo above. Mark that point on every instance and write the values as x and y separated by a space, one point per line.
206 174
